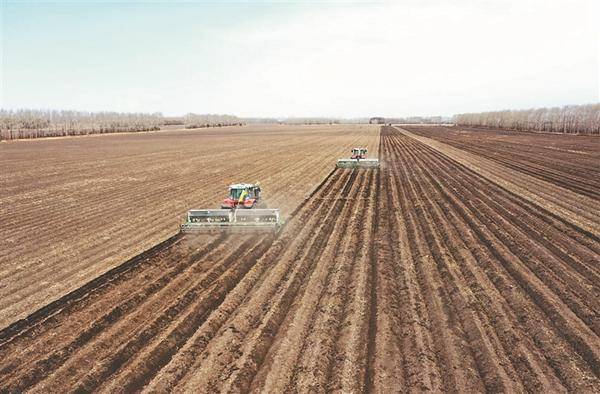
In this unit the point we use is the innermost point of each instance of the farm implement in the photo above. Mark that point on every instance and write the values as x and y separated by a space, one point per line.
358 159
241 211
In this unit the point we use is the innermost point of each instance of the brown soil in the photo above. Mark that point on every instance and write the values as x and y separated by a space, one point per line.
423 275
72 208
566 160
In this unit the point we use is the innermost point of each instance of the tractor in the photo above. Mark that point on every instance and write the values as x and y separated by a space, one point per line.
241 211
358 159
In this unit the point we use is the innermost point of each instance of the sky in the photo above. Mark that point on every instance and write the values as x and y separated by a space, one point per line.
299 58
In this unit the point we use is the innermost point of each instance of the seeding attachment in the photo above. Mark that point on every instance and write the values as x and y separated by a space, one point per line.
358 163
231 220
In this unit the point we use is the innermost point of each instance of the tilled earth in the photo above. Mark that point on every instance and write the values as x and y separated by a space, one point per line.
423 275
73 208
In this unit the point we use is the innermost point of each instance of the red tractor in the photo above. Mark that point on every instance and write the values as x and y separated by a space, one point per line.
242 196
359 153
241 211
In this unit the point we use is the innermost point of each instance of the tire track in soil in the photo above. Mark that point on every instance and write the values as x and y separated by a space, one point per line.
404 342
454 359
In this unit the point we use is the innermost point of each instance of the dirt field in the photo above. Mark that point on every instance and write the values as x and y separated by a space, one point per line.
72 208
443 270
566 160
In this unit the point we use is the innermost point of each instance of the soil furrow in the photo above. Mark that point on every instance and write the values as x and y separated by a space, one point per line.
248 337
461 264
585 353
296 330
286 248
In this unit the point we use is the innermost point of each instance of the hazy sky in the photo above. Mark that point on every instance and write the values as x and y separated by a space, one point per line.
301 58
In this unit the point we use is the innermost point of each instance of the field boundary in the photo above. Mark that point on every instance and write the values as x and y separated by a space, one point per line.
527 187
13 330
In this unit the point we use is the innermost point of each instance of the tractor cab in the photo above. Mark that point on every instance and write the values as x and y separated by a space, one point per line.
242 195
359 153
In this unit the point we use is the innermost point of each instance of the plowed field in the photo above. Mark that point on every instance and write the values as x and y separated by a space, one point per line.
432 273
566 160
72 208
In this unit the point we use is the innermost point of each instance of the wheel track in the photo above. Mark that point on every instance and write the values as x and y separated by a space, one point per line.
402 320
350 368
347 361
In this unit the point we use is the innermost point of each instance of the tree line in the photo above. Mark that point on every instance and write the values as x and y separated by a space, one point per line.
194 121
571 119
27 123
32 123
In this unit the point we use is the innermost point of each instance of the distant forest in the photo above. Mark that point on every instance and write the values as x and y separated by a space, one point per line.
26 123
572 119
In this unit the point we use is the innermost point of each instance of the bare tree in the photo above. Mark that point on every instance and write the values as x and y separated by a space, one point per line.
26 123
194 121
573 119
